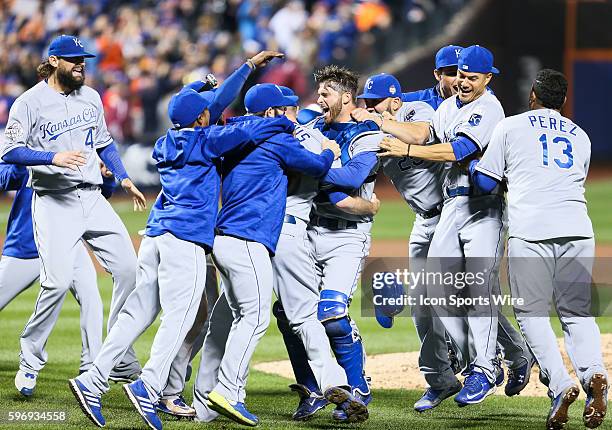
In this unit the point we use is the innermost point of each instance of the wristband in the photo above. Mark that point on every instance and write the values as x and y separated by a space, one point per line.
251 64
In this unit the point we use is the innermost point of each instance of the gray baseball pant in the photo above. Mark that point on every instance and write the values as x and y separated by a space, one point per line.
558 270
296 287
179 371
17 274
170 278
84 214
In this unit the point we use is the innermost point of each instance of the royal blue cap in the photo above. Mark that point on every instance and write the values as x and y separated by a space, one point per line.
68 46
476 59
380 87
187 105
263 96
290 94
448 56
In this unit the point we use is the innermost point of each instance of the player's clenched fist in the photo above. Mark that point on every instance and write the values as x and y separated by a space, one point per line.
140 203
69 159
375 204
264 57
361 115
332 146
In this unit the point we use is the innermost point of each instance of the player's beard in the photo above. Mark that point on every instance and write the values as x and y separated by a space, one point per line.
69 82
334 111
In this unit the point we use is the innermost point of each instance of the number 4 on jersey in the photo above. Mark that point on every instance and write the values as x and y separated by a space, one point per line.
567 151
89 139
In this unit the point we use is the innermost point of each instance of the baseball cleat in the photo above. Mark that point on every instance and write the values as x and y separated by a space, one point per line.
139 396
349 408
124 379
25 383
518 379
90 404
476 388
175 406
310 402
235 411
432 398
558 415
596 402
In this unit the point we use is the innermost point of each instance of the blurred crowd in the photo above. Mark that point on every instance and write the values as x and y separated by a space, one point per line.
147 49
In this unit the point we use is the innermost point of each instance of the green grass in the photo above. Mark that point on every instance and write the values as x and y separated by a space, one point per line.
268 395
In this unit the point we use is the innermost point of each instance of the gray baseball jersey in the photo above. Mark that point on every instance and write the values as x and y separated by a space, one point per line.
545 159
364 142
45 120
476 120
302 189
418 181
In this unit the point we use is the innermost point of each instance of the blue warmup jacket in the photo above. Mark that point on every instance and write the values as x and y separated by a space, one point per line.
188 163
431 96
19 242
254 184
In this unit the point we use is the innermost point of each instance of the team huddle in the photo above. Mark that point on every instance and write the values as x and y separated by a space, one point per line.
296 188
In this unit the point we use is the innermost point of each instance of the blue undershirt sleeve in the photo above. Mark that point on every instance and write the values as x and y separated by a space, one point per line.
481 180
28 157
463 147
110 156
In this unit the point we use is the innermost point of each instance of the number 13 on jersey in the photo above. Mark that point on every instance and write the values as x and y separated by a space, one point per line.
566 147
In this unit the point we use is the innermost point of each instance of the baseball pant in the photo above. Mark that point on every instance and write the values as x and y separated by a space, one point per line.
179 371
560 270
339 256
433 356
171 277
296 287
60 220
219 328
246 275
469 238
18 274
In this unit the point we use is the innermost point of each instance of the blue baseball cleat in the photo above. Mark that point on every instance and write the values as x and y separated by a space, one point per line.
559 409
518 379
596 403
25 383
432 398
138 395
349 408
90 404
476 388
235 411
310 402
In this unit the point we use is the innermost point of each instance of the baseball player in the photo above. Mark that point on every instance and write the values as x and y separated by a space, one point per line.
470 232
297 290
405 174
339 229
544 159
247 237
20 268
57 129
446 75
179 232
420 184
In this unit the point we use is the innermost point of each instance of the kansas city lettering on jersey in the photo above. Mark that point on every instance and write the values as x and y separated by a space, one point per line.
54 130
551 123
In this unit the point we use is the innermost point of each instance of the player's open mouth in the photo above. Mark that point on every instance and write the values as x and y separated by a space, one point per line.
78 71
325 110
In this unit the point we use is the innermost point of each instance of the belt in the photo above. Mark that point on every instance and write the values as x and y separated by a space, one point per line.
290 219
333 223
459 191
87 186
431 213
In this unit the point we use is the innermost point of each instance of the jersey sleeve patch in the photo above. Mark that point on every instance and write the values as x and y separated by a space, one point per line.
14 133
